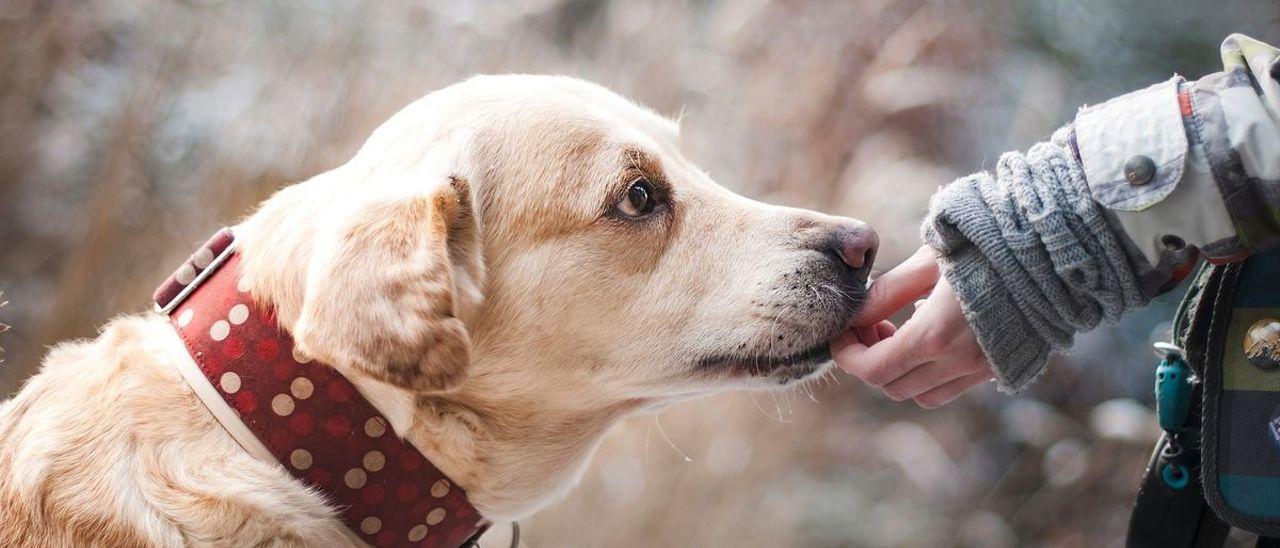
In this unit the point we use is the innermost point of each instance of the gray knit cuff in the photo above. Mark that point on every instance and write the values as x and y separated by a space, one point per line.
1017 353
1031 257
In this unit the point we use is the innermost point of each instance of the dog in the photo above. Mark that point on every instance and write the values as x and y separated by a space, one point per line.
507 267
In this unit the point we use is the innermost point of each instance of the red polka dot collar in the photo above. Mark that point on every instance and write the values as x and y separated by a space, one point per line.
304 414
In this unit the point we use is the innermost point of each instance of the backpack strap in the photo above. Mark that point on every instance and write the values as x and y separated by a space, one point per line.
1241 434
1168 517
1170 510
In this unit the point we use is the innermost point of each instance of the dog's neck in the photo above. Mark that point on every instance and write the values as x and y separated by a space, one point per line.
513 448
513 451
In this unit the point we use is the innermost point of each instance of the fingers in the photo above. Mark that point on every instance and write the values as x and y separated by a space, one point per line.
934 358
878 364
927 377
948 392
868 335
899 286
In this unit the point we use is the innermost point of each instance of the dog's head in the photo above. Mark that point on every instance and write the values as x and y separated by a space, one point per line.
546 233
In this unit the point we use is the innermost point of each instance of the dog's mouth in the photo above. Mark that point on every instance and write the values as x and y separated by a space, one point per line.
795 344
784 369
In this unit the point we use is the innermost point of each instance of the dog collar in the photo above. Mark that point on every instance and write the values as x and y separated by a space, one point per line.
303 414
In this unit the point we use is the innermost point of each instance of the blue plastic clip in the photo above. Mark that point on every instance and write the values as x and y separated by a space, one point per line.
1173 389
1175 475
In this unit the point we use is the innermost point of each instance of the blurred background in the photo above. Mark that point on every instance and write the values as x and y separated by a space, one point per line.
132 129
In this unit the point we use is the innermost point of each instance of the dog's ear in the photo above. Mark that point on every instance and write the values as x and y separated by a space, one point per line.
384 285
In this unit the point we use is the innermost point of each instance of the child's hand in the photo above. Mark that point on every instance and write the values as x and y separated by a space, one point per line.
933 358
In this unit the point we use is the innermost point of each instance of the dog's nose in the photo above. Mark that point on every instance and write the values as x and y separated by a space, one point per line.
856 244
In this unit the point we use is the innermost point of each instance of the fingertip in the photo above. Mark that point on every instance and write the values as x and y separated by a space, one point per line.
886 329
933 400
843 340
846 356
894 395
925 254
949 392
927 405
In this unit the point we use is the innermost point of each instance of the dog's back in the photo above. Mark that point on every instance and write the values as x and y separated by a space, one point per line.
108 446
64 448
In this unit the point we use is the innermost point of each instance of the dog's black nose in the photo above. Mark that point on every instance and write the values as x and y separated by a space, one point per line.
856 244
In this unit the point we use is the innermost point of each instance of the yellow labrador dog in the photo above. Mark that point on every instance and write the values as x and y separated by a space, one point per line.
505 269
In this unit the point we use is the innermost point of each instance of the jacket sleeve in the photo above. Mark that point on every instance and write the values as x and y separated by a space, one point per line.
1189 169
1113 210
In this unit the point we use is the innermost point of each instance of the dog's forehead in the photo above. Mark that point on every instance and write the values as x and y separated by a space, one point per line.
557 103
564 139
522 118
587 93
542 152
633 115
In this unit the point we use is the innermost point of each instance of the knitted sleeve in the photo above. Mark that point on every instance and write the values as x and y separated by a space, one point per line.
1032 258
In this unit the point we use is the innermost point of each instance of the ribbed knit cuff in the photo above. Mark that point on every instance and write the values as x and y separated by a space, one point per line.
1031 257
1018 355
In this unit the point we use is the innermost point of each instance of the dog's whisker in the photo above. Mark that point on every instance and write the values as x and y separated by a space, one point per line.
829 378
761 409
808 391
777 407
657 420
648 429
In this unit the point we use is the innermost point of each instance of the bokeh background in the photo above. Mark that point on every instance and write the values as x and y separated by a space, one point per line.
131 129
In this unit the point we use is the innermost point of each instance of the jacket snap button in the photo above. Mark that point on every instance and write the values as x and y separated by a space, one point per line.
1172 242
1139 169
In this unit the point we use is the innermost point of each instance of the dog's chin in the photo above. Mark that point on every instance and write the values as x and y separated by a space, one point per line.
764 369
775 370
804 365
799 371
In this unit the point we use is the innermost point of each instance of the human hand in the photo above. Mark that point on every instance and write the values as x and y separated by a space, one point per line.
933 358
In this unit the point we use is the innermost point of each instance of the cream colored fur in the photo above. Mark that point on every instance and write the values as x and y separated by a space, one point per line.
467 271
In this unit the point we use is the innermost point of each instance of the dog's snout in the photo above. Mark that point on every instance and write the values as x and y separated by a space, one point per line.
856 244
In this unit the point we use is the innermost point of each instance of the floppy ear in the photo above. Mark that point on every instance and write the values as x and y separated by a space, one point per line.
382 289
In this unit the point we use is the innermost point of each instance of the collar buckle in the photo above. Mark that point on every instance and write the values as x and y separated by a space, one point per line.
194 271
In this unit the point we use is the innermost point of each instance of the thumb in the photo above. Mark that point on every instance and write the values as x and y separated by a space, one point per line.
899 287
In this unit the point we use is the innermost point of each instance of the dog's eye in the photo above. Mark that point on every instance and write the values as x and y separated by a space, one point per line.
639 200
